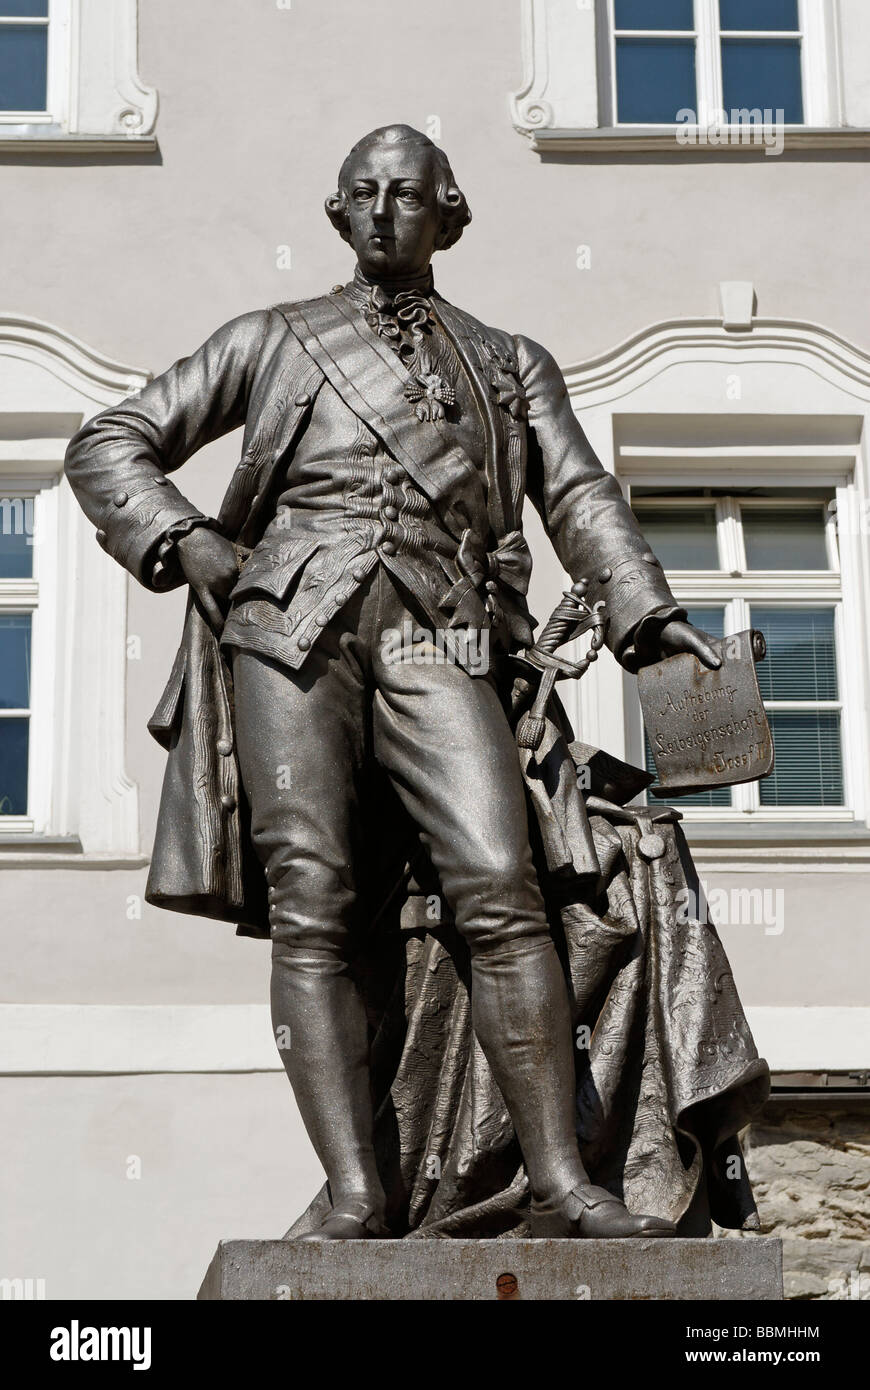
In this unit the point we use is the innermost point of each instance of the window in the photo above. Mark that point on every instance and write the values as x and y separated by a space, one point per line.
16 625
34 61
707 57
655 64
23 55
64 792
68 78
782 549
605 75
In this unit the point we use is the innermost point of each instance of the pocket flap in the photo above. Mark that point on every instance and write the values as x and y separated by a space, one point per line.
271 570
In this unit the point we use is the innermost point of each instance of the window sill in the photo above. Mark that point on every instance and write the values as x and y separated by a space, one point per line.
608 140
755 846
27 140
776 832
22 851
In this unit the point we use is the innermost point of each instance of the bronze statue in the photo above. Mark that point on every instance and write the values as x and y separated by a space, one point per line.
464 996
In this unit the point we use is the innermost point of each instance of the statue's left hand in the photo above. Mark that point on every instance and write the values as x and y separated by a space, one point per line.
211 568
678 636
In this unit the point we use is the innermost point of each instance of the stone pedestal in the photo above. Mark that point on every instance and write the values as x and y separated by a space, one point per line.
493 1269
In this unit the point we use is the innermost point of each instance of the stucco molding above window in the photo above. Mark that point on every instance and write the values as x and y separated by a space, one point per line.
96 101
566 103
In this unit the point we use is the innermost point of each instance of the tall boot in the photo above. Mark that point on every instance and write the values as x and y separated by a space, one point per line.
320 1026
521 1015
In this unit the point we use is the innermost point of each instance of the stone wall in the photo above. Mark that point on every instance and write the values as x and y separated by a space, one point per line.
810 1171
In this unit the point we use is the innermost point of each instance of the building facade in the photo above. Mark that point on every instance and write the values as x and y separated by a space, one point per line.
672 196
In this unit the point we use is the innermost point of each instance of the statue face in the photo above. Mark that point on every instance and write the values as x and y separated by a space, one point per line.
393 210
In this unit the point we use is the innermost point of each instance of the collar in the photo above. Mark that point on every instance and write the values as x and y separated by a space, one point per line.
360 287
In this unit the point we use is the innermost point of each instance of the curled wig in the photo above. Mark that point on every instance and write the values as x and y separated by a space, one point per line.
452 206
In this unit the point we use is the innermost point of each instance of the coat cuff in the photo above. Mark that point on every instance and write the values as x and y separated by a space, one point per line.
166 571
643 647
633 589
135 524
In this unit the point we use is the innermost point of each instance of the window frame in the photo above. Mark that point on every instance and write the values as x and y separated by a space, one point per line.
37 596
96 100
58 70
83 806
736 590
816 75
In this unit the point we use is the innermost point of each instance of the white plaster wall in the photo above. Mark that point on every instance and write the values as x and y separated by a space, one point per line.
220 1157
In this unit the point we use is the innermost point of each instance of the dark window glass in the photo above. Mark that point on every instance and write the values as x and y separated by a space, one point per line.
777 538
15 661
14 735
710 620
23 67
655 80
763 74
809 762
24 9
654 14
801 662
801 665
683 539
16 531
759 14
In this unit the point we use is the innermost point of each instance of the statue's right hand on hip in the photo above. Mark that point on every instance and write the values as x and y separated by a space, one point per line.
211 568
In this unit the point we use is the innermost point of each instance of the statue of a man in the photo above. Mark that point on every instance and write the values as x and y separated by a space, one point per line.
390 442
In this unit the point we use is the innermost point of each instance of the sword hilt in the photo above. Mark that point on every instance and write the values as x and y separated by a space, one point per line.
569 619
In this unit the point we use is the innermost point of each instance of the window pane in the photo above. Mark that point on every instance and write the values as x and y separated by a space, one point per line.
765 75
14 735
16 530
30 9
759 14
809 763
777 538
654 14
683 539
801 662
14 661
23 66
655 79
710 620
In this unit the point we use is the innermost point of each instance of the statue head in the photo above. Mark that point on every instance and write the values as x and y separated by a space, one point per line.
397 202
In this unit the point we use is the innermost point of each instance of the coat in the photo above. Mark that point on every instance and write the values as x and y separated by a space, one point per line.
263 370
